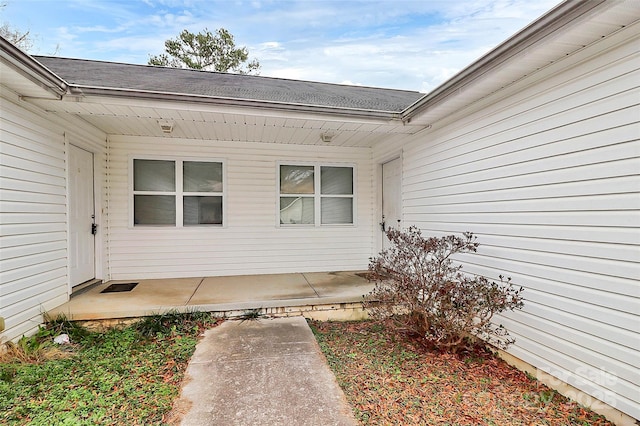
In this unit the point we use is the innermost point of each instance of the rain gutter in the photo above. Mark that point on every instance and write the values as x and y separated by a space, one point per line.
32 69
77 93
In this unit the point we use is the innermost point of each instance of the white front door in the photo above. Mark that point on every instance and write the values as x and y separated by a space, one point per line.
81 216
391 197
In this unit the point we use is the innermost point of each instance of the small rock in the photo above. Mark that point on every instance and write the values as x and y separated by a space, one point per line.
62 339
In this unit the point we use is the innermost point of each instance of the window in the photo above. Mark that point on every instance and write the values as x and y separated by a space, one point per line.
177 192
316 195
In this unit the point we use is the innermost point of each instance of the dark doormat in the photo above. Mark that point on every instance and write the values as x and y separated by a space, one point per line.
119 287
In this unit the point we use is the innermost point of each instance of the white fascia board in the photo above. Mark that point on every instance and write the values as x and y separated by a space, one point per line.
180 101
88 96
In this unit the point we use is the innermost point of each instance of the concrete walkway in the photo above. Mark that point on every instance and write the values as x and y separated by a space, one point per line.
261 372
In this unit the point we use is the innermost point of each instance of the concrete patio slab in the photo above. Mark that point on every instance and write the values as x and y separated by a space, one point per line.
320 295
148 297
263 372
338 284
247 288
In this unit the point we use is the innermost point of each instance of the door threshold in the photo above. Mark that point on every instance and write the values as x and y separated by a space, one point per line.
84 287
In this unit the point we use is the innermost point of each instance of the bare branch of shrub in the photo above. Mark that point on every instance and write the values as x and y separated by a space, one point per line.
421 288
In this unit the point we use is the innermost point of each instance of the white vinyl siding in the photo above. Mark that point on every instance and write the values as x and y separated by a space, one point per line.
547 176
33 228
250 242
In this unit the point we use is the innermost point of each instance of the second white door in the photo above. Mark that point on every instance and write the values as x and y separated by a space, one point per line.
391 197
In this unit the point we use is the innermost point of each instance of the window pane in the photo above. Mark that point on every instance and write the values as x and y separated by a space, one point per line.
297 210
296 180
336 210
202 176
202 211
154 210
154 175
336 180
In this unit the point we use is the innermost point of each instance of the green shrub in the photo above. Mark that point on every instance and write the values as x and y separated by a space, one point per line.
422 290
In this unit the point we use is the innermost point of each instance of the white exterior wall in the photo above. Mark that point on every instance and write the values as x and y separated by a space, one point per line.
251 242
546 174
33 213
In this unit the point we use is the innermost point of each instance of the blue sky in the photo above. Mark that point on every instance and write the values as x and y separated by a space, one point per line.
403 44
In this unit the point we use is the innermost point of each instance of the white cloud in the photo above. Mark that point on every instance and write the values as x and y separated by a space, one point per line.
407 44
271 45
99 29
408 53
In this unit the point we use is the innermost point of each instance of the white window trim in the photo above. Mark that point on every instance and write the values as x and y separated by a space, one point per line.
179 193
317 196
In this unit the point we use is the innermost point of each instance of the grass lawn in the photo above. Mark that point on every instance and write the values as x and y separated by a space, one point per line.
391 380
132 375
124 376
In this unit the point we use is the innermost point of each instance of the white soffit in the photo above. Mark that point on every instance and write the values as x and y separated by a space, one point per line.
17 82
202 121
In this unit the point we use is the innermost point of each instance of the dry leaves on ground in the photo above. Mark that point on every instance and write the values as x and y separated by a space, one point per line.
391 379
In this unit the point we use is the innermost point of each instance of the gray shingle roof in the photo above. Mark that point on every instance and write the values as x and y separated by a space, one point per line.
99 74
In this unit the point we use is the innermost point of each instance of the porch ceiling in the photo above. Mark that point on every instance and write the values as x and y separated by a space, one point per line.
115 116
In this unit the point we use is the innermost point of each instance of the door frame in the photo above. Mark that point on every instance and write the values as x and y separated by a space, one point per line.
378 237
98 176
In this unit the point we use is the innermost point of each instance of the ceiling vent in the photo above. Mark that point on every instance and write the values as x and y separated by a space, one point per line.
166 126
326 137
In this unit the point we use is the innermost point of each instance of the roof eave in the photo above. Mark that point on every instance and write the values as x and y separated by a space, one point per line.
31 69
79 92
549 23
